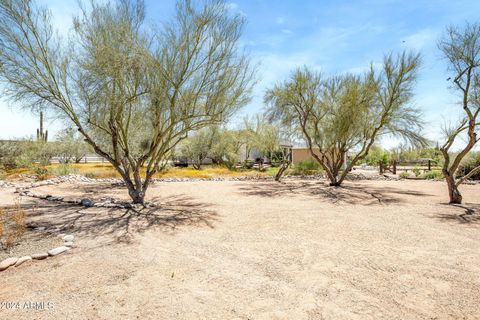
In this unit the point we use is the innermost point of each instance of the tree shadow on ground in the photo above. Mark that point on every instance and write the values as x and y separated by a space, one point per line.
349 194
87 190
468 213
121 225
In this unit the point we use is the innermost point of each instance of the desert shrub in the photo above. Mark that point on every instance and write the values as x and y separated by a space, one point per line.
41 172
248 164
468 164
2 172
12 226
404 175
91 175
377 155
63 169
70 146
33 152
433 175
416 171
9 152
306 167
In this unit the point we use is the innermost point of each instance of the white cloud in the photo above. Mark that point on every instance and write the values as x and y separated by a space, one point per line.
421 39
280 20
232 6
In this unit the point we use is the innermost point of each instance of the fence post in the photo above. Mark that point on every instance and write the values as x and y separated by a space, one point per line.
429 165
381 167
394 167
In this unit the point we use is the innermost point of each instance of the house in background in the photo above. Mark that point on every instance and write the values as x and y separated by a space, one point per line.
302 153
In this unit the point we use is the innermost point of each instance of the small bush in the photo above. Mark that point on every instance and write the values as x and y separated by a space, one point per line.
470 162
416 171
91 175
306 167
433 175
41 172
404 175
2 172
12 226
64 169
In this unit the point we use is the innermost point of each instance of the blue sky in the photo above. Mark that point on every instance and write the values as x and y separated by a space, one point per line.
329 36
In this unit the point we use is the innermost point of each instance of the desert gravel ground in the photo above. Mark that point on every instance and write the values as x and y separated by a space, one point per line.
258 250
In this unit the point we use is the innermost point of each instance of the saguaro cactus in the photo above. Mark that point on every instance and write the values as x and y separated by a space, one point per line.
41 135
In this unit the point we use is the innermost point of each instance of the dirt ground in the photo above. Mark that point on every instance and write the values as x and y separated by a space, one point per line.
258 250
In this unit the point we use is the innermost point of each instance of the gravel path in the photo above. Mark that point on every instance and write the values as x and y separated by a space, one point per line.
259 250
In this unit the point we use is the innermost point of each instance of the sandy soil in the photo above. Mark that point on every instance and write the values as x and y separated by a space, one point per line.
259 250
31 242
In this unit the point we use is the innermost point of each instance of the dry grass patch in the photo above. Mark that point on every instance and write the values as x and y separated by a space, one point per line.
12 226
106 170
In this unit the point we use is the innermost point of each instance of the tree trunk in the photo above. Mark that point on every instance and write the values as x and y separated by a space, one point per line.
334 177
137 195
453 192
136 188
282 169
334 181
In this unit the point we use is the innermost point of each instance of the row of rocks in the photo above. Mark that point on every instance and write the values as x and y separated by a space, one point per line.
74 178
360 176
16 261
6 184
86 202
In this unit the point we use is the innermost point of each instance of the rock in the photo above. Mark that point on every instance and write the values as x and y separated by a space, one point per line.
58 250
40 228
86 202
68 238
61 235
22 260
55 199
7 263
31 225
68 244
40 256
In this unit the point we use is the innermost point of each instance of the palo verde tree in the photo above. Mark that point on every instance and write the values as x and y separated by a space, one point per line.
132 91
461 48
199 145
348 113
256 133
70 146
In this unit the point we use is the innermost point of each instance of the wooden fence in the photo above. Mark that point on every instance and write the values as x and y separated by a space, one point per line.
395 166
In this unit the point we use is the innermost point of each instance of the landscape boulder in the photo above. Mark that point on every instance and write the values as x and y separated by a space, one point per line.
39 256
22 260
86 202
7 263
58 250
68 238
